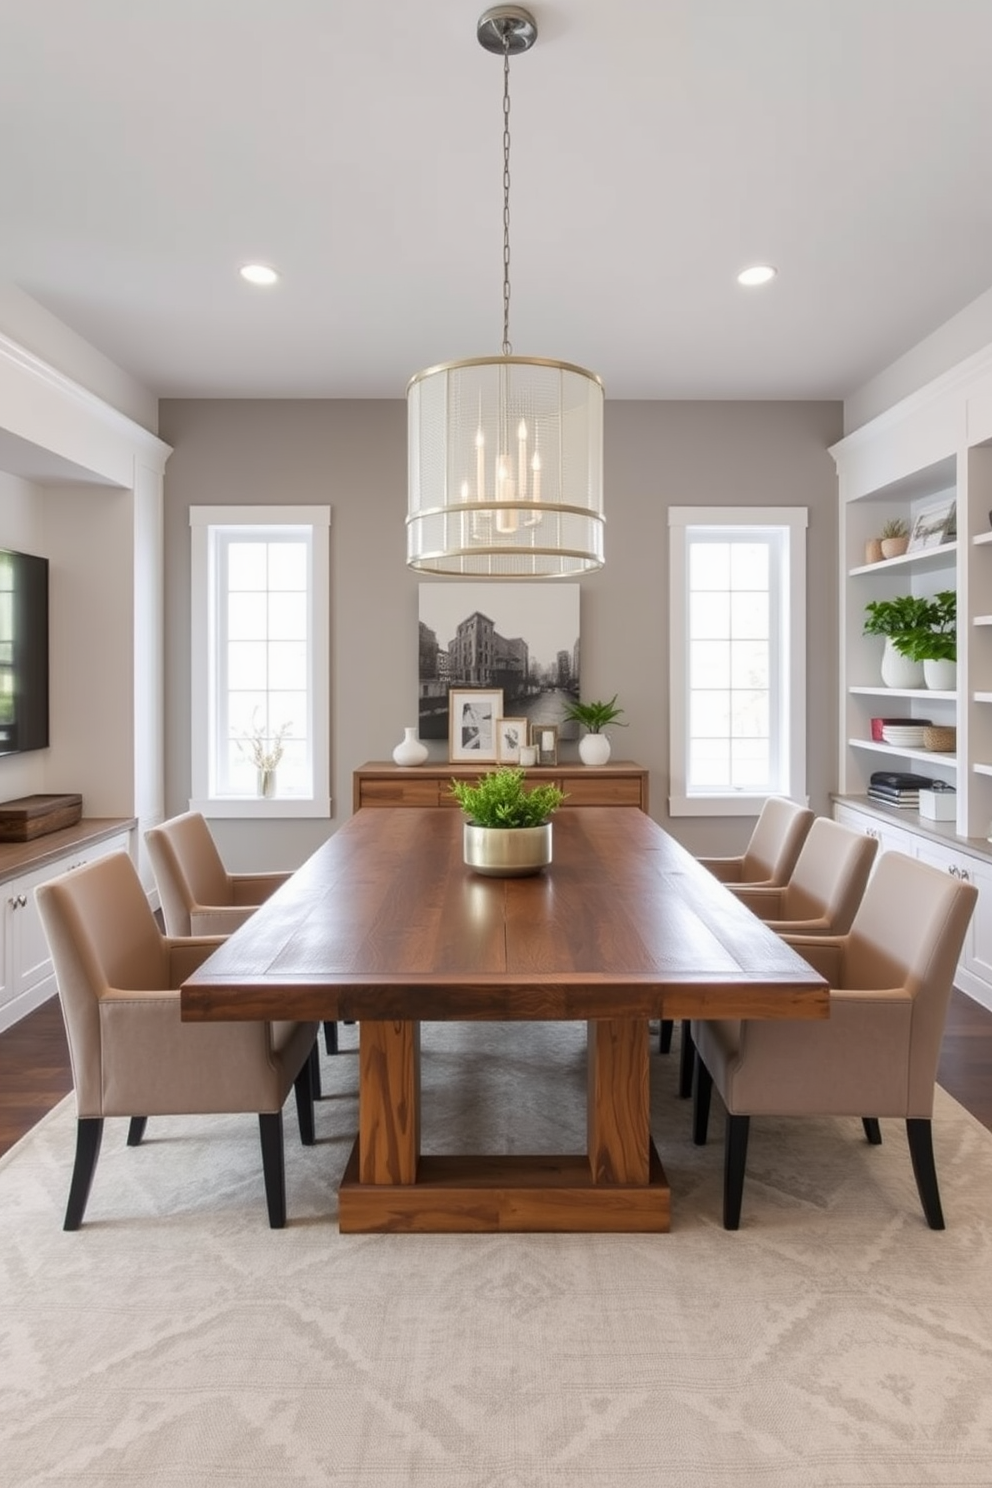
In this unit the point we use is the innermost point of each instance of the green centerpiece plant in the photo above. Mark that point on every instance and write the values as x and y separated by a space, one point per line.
507 833
500 800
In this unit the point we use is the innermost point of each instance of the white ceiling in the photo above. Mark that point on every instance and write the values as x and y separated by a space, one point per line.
149 147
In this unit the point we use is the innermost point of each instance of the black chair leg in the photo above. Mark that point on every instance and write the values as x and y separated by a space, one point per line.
273 1166
136 1130
702 1091
89 1135
687 1060
734 1160
872 1130
303 1090
331 1037
665 1035
314 1062
920 1134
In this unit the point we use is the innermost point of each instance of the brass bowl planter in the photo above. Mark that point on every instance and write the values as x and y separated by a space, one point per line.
507 852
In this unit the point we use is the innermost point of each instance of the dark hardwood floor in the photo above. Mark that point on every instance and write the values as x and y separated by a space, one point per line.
35 1072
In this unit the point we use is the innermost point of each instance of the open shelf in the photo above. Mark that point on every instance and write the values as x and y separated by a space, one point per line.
921 561
924 694
930 756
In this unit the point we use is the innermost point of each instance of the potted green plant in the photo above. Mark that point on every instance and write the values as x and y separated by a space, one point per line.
898 620
934 642
508 831
594 746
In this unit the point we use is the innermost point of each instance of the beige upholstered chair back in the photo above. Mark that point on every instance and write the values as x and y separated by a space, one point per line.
830 876
908 933
188 869
776 842
101 933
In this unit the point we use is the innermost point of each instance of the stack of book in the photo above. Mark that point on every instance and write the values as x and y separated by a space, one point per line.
896 788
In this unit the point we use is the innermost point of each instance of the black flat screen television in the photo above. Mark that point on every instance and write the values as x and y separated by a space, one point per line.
23 652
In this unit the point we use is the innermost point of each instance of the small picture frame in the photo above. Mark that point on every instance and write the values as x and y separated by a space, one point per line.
511 734
933 525
472 717
544 736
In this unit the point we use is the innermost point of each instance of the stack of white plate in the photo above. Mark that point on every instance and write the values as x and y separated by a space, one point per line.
903 735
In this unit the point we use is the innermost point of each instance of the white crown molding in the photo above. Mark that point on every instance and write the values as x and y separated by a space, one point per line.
143 444
956 380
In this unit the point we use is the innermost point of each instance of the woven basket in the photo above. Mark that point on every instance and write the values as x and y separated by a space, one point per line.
941 740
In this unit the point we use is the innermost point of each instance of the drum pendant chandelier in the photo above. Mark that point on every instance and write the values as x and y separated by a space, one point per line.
505 452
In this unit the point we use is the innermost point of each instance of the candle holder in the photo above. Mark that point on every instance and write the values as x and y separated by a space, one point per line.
544 737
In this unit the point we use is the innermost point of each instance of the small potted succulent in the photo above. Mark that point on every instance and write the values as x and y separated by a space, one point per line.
594 746
894 538
508 830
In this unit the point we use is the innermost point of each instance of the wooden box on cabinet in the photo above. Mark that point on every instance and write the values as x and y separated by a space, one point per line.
380 783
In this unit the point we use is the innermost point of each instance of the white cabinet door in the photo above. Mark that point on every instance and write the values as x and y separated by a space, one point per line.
25 965
890 837
974 974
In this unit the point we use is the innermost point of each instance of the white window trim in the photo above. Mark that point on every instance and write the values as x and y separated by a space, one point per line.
201 518
796 519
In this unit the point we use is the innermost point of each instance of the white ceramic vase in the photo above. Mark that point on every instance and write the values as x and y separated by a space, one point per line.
594 749
941 676
899 670
410 751
266 783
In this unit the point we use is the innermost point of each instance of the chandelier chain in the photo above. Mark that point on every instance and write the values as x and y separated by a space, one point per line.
506 193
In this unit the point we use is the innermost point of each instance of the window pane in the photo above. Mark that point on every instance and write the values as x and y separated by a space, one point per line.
709 715
709 664
246 565
246 664
749 565
709 566
287 665
709 764
288 566
750 767
246 617
750 715
709 616
749 615
287 617
749 664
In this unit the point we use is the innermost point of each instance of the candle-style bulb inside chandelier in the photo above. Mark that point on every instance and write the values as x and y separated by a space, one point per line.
505 452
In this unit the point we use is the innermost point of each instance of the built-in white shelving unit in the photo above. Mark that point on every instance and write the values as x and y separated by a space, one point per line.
933 447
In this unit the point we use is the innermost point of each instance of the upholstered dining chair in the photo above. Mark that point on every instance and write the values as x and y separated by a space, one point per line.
118 979
199 896
773 849
825 887
876 1055
767 861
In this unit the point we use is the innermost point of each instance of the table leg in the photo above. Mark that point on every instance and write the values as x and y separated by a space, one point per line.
619 1121
388 1102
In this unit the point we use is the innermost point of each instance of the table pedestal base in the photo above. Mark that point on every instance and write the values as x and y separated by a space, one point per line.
460 1195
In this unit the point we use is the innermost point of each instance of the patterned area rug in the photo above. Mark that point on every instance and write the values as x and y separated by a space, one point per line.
175 1341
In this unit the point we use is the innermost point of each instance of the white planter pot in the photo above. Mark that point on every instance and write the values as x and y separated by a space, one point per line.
899 670
594 749
941 676
410 751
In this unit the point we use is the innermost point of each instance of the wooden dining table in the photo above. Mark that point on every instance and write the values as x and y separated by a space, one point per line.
386 926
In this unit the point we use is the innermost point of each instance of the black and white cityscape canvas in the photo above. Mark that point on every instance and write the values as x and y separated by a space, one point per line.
523 638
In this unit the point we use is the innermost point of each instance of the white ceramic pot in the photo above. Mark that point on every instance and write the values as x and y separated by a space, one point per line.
941 676
899 670
410 751
594 749
507 852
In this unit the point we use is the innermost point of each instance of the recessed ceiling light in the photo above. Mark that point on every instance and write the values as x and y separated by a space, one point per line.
756 274
259 274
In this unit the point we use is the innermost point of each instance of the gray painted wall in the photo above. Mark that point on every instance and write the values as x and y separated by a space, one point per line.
352 455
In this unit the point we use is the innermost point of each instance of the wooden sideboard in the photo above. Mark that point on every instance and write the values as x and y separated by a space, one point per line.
381 783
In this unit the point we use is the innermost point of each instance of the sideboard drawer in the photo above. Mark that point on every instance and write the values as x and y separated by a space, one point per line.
408 791
620 790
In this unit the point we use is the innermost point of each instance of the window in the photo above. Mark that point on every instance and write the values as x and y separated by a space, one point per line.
260 666
738 658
